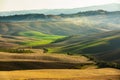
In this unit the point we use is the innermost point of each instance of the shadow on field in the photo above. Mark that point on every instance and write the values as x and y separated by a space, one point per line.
27 65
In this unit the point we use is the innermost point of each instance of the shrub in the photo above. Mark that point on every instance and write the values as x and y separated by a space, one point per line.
45 50
69 53
103 64
16 50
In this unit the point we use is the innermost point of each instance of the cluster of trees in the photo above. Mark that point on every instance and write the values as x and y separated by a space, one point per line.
103 64
45 50
16 50
32 16
22 17
91 13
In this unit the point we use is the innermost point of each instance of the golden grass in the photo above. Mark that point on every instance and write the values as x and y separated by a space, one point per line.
62 74
40 56
40 60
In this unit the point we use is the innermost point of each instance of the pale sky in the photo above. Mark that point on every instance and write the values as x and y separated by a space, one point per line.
8 5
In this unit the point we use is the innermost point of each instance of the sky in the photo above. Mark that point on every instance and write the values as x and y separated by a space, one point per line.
15 5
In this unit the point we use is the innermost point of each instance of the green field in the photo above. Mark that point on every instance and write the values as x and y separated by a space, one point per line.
41 38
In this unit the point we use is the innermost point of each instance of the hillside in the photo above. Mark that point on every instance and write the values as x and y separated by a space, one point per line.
105 45
7 41
59 44
40 60
26 39
109 56
47 66
82 23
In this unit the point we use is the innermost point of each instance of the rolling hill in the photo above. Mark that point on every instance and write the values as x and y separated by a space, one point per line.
82 23
40 60
104 46
40 66
26 39
109 56
67 45
89 32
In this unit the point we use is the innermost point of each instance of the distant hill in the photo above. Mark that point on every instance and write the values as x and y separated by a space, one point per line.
107 7
43 17
27 17
82 23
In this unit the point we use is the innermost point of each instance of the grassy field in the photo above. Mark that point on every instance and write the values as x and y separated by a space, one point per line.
62 74
30 38
40 60
39 35
41 38
43 66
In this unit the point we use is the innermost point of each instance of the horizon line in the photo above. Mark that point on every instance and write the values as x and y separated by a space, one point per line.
54 8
